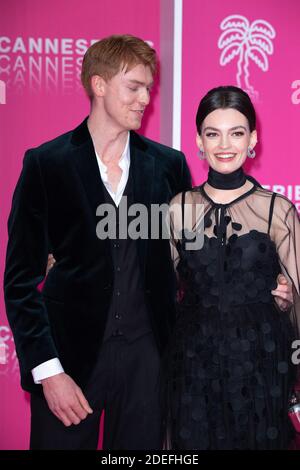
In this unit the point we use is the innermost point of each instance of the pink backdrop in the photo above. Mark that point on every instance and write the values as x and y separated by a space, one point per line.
277 97
44 98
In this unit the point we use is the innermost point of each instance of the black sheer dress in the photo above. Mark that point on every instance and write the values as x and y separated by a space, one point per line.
229 364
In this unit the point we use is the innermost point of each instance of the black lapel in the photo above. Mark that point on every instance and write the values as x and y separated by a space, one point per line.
85 161
142 165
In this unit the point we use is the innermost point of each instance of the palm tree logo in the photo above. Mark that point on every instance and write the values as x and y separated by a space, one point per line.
248 42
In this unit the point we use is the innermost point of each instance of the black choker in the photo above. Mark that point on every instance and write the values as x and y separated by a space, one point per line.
226 181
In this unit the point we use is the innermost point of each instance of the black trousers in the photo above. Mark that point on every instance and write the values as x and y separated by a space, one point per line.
125 384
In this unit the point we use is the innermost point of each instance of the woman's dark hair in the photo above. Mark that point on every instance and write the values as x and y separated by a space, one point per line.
224 97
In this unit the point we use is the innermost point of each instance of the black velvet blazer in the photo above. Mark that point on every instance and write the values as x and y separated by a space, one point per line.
54 204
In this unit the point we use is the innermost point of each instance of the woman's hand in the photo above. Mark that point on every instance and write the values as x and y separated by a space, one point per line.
283 293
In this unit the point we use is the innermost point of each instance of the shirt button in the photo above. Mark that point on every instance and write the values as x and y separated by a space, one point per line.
118 316
118 293
118 269
117 332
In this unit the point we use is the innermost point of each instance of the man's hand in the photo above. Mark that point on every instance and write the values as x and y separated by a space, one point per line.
283 293
65 399
50 262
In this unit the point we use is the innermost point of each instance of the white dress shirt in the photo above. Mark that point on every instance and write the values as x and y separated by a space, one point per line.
124 164
53 366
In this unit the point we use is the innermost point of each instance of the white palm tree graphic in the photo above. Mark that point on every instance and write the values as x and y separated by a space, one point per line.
247 41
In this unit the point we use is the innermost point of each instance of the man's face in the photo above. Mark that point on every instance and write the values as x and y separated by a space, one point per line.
126 96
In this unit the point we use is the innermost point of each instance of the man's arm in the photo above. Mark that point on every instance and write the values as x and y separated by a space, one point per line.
26 261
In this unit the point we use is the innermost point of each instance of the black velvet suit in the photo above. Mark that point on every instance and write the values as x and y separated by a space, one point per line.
55 205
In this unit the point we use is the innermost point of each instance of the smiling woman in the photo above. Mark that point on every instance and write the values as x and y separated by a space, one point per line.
224 145
230 362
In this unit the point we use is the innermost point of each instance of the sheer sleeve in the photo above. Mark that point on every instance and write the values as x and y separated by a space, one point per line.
175 221
186 224
287 239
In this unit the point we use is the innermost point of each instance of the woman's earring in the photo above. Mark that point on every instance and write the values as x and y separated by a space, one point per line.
201 154
251 153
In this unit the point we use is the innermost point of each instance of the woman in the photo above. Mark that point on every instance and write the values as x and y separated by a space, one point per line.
230 368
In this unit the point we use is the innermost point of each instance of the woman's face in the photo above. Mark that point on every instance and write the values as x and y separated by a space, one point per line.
225 138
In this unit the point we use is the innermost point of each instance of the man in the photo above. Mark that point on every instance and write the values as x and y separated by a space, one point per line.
92 339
